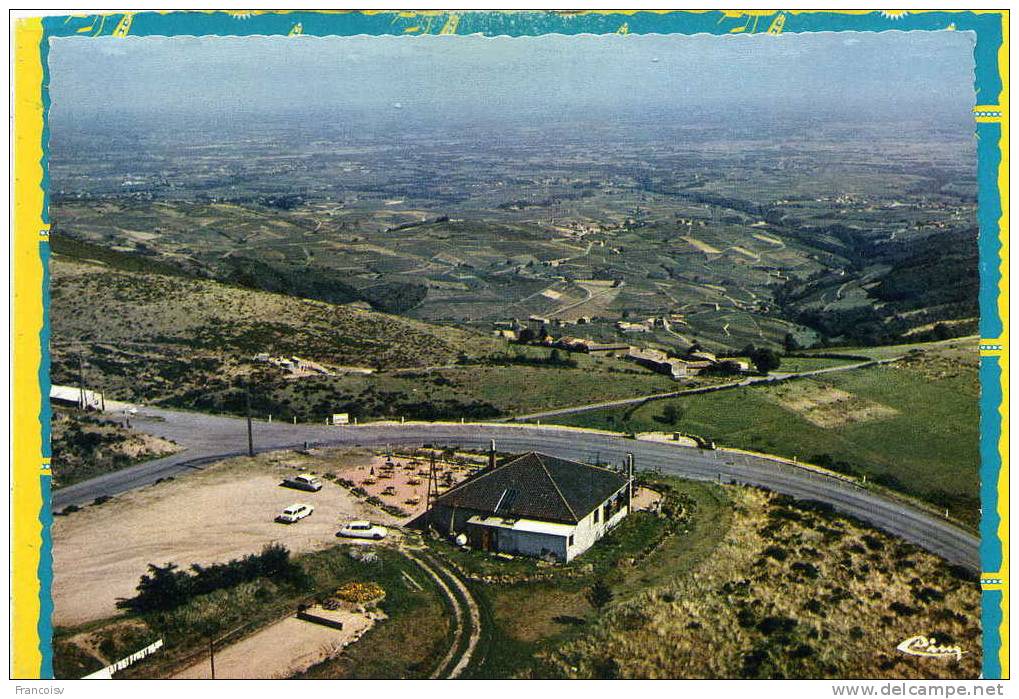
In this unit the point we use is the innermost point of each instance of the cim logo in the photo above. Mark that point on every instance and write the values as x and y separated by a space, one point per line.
925 647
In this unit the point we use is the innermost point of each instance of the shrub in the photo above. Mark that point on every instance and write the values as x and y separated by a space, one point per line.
605 669
599 594
166 587
902 609
808 570
776 624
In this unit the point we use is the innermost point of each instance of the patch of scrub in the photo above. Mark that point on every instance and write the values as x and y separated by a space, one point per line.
825 406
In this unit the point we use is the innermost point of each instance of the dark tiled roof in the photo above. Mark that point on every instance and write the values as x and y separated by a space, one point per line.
537 486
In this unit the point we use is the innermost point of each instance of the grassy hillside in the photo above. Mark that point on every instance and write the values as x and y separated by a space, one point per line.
190 342
912 425
150 336
790 592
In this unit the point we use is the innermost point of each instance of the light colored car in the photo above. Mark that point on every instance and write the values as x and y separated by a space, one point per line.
294 513
363 529
302 482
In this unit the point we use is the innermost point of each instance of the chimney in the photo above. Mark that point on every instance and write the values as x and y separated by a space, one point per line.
629 475
491 454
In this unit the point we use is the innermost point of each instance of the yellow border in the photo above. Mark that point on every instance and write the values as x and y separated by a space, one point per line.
27 273
1003 190
27 278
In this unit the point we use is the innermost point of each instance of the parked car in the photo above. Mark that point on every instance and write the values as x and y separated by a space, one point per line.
363 530
303 482
294 513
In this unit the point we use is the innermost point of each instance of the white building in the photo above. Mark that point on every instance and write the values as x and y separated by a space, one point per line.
535 505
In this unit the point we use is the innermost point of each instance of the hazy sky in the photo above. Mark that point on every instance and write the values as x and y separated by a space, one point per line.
858 75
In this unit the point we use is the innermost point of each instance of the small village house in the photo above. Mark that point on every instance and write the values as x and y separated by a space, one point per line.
535 505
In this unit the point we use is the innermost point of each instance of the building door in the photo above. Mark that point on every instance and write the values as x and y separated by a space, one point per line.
487 540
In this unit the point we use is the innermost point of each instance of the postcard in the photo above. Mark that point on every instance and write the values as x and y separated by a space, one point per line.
511 345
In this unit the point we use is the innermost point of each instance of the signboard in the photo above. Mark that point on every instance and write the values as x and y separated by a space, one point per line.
107 672
341 419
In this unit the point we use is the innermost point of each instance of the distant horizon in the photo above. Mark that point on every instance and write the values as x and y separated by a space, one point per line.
382 83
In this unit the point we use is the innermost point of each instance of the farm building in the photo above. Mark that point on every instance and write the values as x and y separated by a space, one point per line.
535 505
659 361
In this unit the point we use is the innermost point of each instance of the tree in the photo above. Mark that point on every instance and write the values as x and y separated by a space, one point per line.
162 588
790 343
765 359
672 414
599 594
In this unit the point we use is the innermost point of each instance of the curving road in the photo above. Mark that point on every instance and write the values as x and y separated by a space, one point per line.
209 438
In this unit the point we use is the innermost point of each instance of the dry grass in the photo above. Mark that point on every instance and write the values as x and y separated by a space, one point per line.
700 245
790 592
149 335
85 446
825 406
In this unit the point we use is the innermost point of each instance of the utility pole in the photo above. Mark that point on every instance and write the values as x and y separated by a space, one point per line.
212 659
82 403
629 482
433 482
247 404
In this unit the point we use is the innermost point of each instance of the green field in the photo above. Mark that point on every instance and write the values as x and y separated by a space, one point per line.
912 425
796 364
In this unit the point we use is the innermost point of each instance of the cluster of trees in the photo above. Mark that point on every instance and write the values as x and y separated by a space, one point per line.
764 359
286 202
555 358
166 587
528 335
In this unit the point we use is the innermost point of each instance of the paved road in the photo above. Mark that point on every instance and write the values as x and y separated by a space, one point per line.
771 378
211 438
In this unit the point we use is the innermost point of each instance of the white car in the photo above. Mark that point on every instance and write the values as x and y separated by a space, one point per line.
363 530
303 482
294 513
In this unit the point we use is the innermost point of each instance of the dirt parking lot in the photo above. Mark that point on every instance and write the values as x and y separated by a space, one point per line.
225 511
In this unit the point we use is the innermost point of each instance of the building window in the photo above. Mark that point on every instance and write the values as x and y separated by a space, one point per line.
596 513
571 539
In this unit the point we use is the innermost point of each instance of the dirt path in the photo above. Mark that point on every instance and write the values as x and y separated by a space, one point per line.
475 624
464 605
280 650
